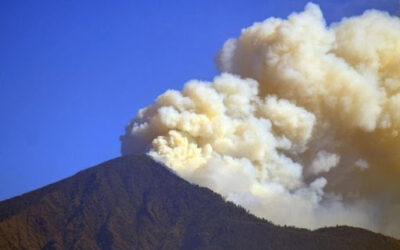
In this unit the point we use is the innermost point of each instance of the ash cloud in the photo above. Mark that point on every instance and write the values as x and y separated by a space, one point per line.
301 127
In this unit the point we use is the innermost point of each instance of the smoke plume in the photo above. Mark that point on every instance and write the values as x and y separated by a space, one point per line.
301 127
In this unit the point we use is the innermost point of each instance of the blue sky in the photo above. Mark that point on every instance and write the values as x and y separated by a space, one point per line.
73 73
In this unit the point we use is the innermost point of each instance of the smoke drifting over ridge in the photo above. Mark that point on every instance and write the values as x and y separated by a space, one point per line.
301 128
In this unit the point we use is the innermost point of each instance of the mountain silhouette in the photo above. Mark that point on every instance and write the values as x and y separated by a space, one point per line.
133 202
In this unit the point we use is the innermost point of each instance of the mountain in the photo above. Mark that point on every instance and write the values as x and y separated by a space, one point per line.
134 202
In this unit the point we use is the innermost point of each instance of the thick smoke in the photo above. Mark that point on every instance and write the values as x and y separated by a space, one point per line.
302 128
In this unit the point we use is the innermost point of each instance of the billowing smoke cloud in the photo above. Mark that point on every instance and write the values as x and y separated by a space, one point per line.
301 128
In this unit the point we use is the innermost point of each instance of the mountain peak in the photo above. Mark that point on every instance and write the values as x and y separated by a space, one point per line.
133 202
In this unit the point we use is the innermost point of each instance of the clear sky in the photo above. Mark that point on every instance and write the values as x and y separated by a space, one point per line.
72 73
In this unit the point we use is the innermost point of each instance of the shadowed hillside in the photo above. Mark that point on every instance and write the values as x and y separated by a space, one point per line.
133 202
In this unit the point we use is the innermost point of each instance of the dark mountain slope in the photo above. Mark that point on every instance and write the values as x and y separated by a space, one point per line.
135 203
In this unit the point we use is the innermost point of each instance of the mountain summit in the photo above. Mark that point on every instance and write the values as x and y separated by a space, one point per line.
133 202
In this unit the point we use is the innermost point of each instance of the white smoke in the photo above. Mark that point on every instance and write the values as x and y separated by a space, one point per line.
301 129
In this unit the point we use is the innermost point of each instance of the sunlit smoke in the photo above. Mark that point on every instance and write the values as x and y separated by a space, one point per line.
301 127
